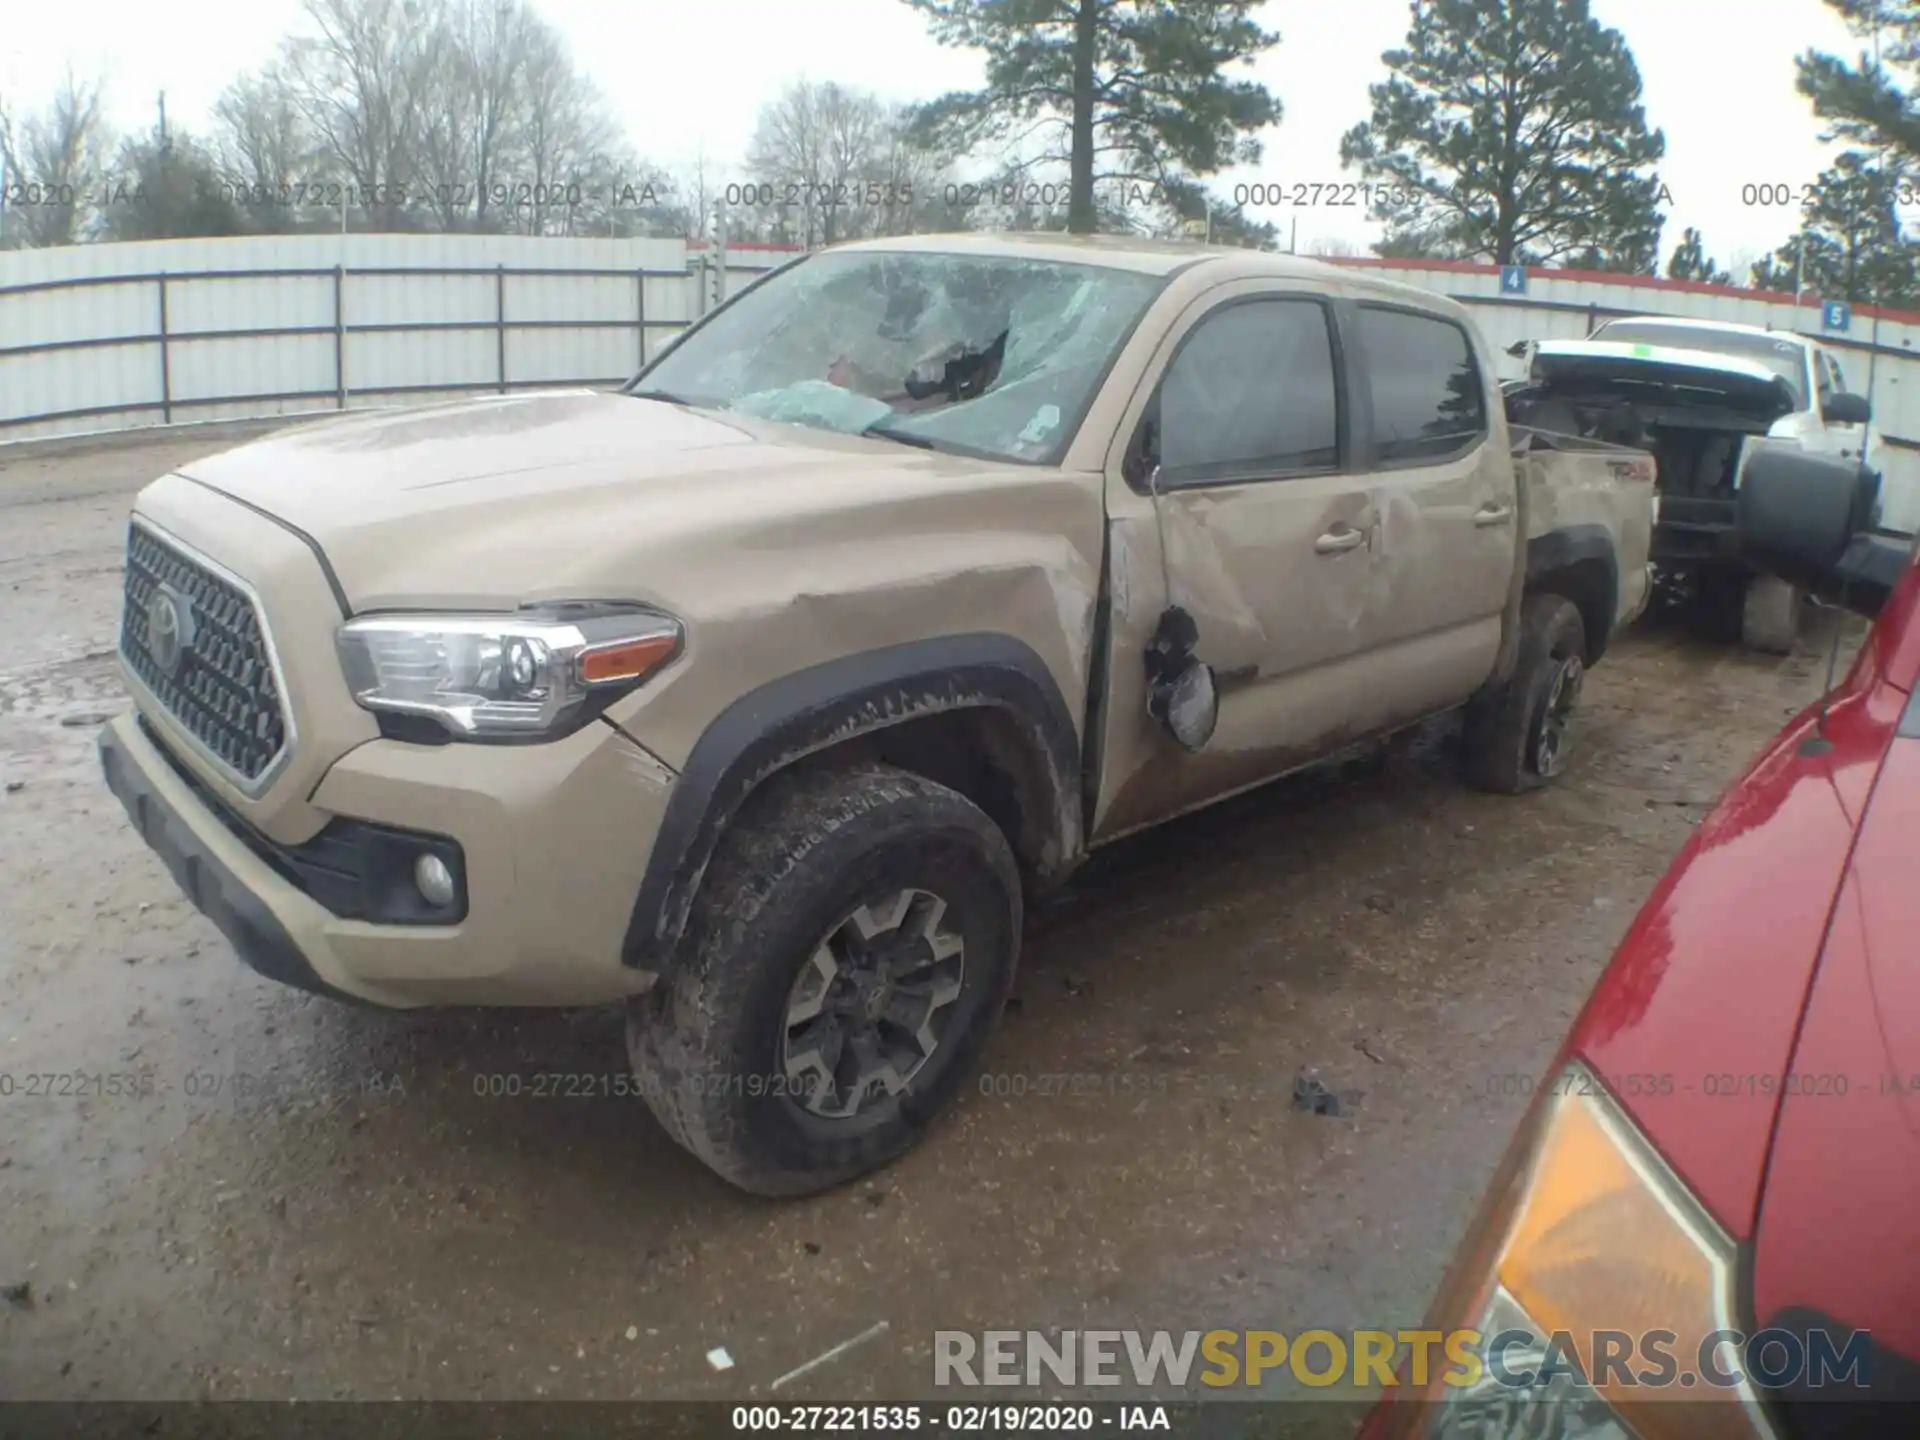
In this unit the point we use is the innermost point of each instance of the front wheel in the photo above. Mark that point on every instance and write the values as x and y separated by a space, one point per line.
853 943
1519 734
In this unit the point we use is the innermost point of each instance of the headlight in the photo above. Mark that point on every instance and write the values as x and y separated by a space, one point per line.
534 673
1589 1235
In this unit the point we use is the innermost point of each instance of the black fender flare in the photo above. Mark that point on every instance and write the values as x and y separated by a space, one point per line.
1577 545
811 710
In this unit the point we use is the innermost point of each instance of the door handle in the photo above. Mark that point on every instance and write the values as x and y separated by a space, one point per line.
1493 515
1335 541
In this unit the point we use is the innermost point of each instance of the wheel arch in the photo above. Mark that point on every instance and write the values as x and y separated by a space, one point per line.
1579 562
979 713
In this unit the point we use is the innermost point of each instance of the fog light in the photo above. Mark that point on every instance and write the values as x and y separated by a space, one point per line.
434 879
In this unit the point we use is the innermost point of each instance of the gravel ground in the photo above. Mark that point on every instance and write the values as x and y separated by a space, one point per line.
281 1197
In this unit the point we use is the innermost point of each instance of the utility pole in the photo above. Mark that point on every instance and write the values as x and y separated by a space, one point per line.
1873 355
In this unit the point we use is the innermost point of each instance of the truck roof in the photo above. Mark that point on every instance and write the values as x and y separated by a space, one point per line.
1159 257
1728 327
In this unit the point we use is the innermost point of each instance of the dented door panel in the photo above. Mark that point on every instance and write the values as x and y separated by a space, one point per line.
1277 572
1279 623
1443 557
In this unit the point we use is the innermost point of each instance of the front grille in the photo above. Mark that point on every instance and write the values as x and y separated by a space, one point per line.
194 639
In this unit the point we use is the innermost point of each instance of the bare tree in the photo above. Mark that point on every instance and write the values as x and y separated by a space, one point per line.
359 82
55 162
476 111
265 150
785 159
830 163
444 114
912 179
698 184
571 150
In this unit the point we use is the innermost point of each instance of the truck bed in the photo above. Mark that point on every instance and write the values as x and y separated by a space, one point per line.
1571 483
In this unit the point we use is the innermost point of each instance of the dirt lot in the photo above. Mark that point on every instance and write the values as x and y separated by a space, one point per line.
310 1201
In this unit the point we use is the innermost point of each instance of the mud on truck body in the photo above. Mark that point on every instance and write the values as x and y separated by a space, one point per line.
760 695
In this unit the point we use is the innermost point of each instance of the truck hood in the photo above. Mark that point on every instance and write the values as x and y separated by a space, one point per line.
496 502
1673 375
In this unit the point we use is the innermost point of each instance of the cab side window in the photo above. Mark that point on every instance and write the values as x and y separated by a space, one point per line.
1250 396
1428 402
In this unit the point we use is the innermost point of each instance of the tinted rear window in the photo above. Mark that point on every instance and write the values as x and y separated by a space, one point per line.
1425 382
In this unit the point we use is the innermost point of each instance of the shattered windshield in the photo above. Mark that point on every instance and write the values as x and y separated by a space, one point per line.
1785 358
988 355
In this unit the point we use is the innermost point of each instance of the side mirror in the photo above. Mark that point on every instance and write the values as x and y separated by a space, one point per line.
1799 512
1181 691
1845 408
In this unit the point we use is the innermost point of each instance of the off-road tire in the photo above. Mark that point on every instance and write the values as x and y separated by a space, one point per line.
807 850
1503 722
1770 615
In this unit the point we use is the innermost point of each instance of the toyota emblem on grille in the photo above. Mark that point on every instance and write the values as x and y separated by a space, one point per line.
169 627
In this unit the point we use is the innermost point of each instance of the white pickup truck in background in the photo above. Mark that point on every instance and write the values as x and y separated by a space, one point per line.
1703 396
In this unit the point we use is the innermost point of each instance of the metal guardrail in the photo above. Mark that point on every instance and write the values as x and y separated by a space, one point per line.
166 339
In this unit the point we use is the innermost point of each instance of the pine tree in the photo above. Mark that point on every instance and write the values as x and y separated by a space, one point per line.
1517 127
1871 103
1690 261
1137 87
1849 246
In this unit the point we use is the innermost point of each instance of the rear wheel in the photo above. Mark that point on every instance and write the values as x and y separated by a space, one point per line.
1720 597
1519 734
853 943
1770 615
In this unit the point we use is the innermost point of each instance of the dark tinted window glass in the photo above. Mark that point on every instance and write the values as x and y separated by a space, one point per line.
1251 394
1425 382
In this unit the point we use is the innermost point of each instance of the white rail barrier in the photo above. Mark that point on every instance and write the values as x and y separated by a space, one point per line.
111 337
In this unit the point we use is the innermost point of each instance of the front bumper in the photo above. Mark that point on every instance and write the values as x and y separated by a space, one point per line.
555 839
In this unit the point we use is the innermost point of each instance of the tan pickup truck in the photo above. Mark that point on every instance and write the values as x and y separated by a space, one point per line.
759 694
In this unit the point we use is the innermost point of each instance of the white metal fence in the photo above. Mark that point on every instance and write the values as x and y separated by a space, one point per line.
106 337
1877 351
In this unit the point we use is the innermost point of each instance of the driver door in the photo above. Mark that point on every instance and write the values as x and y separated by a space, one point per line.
1262 531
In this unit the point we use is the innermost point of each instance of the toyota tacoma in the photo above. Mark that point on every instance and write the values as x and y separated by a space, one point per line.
761 694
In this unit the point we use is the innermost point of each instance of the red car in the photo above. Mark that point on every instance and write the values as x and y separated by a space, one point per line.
1708 1223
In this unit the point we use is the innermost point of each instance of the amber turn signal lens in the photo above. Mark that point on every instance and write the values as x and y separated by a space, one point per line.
626 659
1608 1239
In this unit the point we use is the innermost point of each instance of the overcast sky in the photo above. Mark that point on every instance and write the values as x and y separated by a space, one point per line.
688 74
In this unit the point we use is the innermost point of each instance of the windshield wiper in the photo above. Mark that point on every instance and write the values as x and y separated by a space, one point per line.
666 395
881 430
